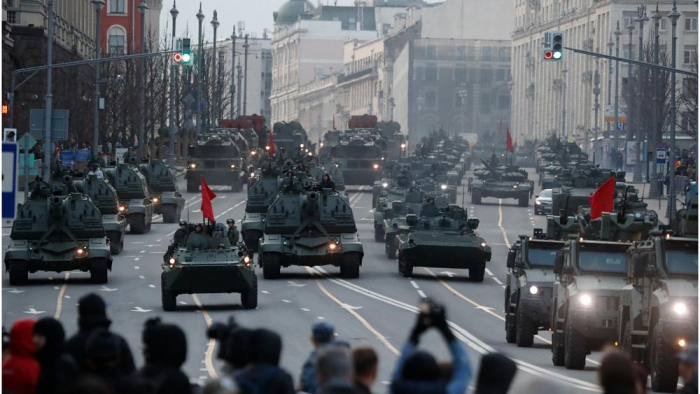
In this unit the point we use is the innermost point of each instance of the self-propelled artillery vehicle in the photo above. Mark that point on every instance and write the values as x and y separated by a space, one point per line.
163 188
105 198
218 158
260 195
500 182
132 191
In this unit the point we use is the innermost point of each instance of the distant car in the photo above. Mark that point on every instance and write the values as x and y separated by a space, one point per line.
543 202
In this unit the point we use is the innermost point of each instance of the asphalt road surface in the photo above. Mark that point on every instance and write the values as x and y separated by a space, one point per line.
378 309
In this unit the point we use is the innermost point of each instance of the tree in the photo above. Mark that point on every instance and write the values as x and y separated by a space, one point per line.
688 102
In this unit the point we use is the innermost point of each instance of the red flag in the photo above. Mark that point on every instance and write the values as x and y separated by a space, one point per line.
603 198
207 196
271 151
509 141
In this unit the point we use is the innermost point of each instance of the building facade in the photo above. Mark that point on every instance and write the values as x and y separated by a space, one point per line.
120 25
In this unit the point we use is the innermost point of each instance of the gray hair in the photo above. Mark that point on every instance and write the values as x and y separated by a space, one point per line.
333 362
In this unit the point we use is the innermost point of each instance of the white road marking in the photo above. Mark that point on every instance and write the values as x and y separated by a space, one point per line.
306 309
142 277
66 296
286 301
320 318
152 286
33 311
420 293
497 281
415 285
265 292
500 223
137 259
105 288
139 309
294 284
448 273
136 267
14 291
143 251
488 272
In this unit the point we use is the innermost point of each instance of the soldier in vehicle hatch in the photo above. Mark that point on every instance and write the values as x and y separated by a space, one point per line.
197 240
429 208
178 239
232 233
327 182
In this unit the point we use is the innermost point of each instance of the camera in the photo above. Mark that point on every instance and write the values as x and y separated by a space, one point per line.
430 311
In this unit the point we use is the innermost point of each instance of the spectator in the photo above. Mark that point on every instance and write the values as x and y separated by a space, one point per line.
417 371
688 369
5 344
263 374
221 386
495 374
165 351
236 349
334 370
92 315
20 371
321 335
103 359
89 384
616 374
365 368
58 369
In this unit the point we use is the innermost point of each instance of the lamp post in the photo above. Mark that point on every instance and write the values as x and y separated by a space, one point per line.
142 82
233 67
240 77
214 73
49 95
245 77
673 15
641 18
200 70
606 155
463 103
563 101
596 108
173 128
96 105
654 191
419 101
628 134
616 143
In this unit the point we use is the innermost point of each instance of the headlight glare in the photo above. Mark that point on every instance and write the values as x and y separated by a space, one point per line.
534 290
680 308
586 300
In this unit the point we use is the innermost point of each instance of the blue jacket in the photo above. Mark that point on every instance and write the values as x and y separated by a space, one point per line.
308 375
460 378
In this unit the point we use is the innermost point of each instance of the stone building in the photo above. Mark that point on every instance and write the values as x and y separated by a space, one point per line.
120 25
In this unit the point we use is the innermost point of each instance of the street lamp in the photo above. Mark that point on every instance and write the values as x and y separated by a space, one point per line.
609 102
233 65
392 104
142 82
616 144
245 76
215 90
654 191
96 104
463 103
420 100
641 18
674 15
173 127
200 70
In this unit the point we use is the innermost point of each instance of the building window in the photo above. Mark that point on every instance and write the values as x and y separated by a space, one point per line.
503 54
432 52
503 102
431 74
663 24
430 100
689 56
461 52
691 24
486 53
117 6
485 105
460 74
500 75
485 75
116 40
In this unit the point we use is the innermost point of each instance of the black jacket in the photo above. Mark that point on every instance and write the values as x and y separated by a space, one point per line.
264 378
162 380
76 348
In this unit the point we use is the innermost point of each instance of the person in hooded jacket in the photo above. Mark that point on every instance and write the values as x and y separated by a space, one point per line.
496 373
165 351
58 369
103 356
92 315
263 374
20 370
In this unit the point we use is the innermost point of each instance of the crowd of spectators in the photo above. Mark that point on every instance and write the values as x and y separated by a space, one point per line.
37 358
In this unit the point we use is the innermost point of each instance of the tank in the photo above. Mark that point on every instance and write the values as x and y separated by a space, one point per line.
57 234
659 306
447 233
105 198
218 158
163 188
310 228
208 263
132 191
260 195
500 182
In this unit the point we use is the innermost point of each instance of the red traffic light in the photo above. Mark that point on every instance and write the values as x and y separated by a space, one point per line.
177 57
548 55
5 109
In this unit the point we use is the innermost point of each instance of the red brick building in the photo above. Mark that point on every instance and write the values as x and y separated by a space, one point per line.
120 30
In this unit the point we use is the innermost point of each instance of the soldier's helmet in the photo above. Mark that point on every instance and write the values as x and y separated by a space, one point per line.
230 221
183 223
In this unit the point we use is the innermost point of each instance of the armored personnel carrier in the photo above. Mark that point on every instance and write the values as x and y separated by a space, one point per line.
263 192
207 263
500 182
218 158
393 221
105 198
447 233
576 188
132 191
310 228
658 311
528 293
58 233
163 188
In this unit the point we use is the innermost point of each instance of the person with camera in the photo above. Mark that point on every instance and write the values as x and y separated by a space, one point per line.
417 371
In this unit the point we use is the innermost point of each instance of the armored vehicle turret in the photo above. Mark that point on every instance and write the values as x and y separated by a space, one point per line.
500 182
260 195
446 233
218 158
105 198
205 262
164 191
310 228
132 191
658 311
58 233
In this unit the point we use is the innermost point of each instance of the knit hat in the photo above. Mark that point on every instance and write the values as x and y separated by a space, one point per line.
92 312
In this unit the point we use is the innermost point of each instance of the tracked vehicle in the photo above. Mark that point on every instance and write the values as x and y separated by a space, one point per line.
132 191
163 188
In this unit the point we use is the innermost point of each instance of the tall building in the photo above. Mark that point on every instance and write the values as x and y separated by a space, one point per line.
120 25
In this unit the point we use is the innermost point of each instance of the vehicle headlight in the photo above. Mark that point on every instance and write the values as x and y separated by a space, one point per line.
534 290
385 185
193 165
233 166
586 300
301 146
252 175
682 342
81 252
680 308
333 245
483 245
246 259
253 153
267 147
403 146
443 187
155 199
538 202
375 166
515 186
121 208
311 153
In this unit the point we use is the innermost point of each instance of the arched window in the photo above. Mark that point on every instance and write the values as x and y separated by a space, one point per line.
116 40
117 6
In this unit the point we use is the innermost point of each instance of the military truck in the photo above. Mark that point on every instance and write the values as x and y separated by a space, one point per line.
58 233
310 228
658 311
447 233
500 182
132 191
291 137
105 198
528 292
218 158
263 193
164 191
208 263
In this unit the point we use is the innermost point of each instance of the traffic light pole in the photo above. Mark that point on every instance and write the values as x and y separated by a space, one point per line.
635 62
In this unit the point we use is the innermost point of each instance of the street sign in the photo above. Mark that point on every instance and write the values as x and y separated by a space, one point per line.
59 124
9 180
67 157
26 142
661 156
621 126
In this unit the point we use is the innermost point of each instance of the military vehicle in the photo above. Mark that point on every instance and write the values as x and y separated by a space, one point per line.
165 194
263 192
204 263
310 228
500 182
397 145
291 137
658 311
447 233
687 216
218 158
58 233
132 191
528 292
359 158
393 221
577 188
105 198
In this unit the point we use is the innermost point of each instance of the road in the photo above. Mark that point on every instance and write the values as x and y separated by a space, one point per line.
378 309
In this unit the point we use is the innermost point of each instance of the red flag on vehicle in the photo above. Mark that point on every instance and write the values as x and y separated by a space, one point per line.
509 141
271 151
603 198
207 196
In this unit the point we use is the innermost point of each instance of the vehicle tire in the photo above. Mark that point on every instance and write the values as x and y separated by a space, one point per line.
251 240
18 274
557 349
405 268
168 298
249 298
575 347
98 271
510 324
525 329
350 266
390 250
192 187
523 200
271 266
476 273
626 344
115 244
378 234
171 215
663 366
476 196
138 225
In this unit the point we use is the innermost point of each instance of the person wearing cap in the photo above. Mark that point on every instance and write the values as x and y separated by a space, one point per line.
180 233
92 315
322 334
58 369
688 369
232 233
197 240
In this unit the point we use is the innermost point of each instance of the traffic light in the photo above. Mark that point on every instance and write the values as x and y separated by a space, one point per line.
183 53
553 46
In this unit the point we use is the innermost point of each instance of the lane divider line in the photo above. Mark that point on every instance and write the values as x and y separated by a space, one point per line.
209 355
59 302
